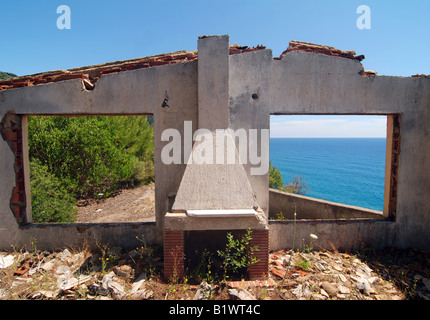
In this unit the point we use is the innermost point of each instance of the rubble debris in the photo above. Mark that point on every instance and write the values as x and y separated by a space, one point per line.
368 73
6 261
315 275
204 291
333 275
241 294
421 76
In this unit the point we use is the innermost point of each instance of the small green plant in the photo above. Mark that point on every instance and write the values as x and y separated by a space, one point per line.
237 255
34 248
147 257
310 247
303 264
280 216
109 256
203 270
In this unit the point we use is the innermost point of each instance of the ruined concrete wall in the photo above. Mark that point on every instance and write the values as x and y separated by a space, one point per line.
308 83
297 83
141 92
312 208
342 235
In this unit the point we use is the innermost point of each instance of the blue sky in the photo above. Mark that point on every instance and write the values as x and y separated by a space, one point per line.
103 31
326 126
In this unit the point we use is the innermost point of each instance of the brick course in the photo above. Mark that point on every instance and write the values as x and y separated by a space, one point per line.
173 254
259 270
11 132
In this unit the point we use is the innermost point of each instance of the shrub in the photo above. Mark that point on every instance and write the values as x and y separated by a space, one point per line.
237 255
297 186
92 155
50 201
275 177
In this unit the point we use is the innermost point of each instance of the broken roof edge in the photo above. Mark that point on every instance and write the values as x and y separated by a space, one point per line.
302 46
91 74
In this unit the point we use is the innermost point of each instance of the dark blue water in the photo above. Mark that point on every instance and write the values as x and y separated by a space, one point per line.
344 170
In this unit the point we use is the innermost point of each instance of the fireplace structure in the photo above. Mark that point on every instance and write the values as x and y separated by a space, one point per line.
215 192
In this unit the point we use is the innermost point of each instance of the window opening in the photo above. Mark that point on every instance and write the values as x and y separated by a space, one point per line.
91 169
348 160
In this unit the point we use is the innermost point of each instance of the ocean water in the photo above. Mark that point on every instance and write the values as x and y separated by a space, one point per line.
344 170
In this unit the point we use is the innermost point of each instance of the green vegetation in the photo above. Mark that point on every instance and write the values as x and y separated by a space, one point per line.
237 255
297 186
6 75
78 157
50 201
230 263
303 264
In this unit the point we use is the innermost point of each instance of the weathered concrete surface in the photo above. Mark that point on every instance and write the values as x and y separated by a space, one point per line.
139 92
214 177
182 222
308 83
212 185
336 225
311 208
249 109
347 235
213 70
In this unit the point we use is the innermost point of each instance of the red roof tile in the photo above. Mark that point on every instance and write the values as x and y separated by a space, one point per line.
90 74
321 49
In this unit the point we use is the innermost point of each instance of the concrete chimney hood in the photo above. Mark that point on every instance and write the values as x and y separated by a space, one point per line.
216 195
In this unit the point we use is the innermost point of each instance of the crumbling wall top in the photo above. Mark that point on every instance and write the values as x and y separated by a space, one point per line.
90 74
321 49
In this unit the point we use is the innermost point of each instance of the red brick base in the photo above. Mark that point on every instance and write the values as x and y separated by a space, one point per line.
260 270
173 254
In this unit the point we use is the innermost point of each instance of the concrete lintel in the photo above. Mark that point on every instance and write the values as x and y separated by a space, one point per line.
233 213
182 222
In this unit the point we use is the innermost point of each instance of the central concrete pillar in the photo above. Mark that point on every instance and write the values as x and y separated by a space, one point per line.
213 82
214 193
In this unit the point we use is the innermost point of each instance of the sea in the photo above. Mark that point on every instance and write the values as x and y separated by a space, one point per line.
343 170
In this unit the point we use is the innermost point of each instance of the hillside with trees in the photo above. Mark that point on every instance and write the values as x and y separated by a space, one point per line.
85 157
6 75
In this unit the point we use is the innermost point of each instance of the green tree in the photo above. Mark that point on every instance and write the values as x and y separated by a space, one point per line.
136 135
297 185
85 157
275 177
